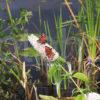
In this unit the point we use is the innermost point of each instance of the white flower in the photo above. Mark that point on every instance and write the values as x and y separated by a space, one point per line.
92 96
41 48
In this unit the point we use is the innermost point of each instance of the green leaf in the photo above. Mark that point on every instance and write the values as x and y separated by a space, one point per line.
29 52
3 35
80 97
21 37
84 90
44 97
61 59
81 76
13 72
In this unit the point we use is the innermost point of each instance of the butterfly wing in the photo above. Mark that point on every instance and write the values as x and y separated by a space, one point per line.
42 39
49 52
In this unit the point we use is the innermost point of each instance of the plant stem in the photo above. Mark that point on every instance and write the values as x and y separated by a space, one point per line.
72 80
72 14
9 13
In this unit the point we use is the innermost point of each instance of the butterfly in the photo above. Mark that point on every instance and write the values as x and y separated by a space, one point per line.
49 53
42 38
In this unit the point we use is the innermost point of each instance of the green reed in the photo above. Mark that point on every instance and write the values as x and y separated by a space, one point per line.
92 25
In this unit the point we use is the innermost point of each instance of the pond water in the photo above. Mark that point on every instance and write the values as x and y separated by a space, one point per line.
48 8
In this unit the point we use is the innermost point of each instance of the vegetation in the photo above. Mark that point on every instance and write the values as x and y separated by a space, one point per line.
76 66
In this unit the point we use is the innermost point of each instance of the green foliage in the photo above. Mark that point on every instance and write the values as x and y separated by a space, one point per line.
44 97
89 17
25 15
48 32
8 83
10 65
55 76
90 27
84 91
81 76
29 52
60 41
17 24
58 23
80 97
21 37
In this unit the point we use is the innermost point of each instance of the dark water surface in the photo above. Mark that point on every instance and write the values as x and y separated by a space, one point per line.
49 8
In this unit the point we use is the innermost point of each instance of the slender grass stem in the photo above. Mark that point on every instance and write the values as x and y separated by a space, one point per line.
9 12
72 14
72 80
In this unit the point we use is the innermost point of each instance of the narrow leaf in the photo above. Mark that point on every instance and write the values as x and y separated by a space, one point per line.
81 76
44 97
